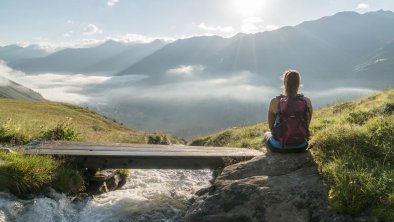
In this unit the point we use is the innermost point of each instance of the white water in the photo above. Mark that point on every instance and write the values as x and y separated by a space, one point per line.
148 195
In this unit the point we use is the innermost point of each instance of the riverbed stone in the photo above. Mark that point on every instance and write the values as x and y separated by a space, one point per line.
103 181
272 187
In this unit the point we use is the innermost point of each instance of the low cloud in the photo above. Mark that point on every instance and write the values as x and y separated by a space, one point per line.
271 27
4 81
138 38
333 95
362 6
56 87
226 29
92 29
81 89
112 2
252 25
236 87
186 70
90 90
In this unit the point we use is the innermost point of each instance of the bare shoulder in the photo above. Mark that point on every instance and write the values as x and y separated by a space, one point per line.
274 101
308 102
274 104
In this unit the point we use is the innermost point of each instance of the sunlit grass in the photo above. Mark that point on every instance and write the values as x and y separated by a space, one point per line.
353 145
22 174
21 121
245 137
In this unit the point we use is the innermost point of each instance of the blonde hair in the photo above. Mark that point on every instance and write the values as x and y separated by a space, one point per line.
291 82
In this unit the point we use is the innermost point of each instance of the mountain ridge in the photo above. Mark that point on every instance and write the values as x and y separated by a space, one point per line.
344 39
12 90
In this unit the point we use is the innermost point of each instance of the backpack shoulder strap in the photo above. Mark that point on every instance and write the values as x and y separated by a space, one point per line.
279 99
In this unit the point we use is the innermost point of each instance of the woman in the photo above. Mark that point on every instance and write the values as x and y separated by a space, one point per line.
289 116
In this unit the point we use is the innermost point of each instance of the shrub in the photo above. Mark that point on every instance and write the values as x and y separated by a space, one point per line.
13 133
159 139
62 131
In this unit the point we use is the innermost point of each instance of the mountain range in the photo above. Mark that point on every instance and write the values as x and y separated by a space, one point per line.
204 83
340 46
105 58
328 48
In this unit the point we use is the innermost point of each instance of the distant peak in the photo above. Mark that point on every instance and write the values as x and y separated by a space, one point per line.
111 42
239 35
381 11
344 13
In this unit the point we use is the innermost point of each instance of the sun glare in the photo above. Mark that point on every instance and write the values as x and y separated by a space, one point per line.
248 7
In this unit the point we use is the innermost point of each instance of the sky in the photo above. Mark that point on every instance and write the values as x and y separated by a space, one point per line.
83 22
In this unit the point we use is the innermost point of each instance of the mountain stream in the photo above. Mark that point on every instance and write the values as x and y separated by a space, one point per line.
148 195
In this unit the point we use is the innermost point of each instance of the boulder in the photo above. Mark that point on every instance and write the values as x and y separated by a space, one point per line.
273 187
103 181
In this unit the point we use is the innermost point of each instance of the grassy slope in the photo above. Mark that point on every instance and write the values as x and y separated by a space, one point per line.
22 174
12 90
353 145
32 118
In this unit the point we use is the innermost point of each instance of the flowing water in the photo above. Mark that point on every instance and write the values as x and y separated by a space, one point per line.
148 195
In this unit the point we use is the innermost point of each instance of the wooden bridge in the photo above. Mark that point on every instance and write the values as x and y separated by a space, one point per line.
142 156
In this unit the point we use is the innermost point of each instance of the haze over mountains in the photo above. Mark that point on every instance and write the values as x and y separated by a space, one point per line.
201 84
106 58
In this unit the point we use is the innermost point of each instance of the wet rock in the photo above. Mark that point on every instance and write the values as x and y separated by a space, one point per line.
274 187
104 181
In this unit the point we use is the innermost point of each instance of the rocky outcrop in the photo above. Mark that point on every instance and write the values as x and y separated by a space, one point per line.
104 181
273 187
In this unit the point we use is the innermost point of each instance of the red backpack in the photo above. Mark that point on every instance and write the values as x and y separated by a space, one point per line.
291 120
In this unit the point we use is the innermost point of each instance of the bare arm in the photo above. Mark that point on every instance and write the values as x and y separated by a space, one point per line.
271 112
309 104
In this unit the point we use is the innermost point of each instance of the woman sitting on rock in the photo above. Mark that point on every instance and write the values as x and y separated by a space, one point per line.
289 116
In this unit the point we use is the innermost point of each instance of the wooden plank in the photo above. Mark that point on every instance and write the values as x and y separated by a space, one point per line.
142 156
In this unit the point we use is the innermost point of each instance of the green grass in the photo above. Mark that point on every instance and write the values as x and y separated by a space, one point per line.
22 174
245 137
22 121
353 146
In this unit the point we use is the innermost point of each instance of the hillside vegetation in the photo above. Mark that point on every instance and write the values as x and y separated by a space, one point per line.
22 121
353 146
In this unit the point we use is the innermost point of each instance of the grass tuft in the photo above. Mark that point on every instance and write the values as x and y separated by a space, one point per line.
22 174
13 133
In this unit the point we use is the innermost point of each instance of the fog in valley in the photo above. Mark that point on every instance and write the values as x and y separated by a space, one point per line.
197 85
190 107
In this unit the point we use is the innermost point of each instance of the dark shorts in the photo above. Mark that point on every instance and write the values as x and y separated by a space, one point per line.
276 146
